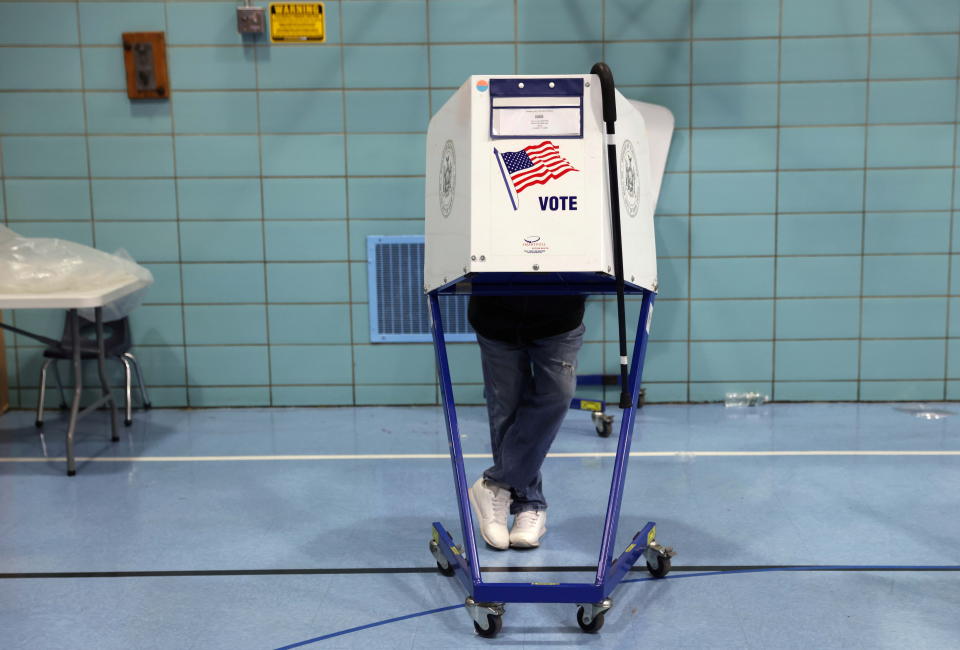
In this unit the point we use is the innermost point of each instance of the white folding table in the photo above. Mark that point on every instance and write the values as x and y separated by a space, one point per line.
90 298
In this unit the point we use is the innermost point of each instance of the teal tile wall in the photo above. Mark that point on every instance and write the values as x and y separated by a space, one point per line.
806 227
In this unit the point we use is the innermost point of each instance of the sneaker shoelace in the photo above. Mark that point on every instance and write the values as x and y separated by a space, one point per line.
527 519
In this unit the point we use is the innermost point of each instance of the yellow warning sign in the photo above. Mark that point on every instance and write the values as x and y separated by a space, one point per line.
296 22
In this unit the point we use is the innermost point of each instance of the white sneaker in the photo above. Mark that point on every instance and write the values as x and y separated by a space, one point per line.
491 506
528 527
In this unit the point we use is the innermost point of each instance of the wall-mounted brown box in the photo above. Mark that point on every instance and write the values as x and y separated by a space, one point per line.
145 59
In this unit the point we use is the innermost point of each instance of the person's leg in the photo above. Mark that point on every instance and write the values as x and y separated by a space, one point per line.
506 378
506 375
545 403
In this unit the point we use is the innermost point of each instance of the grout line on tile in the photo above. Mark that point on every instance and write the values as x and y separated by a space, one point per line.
953 216
179 262
689 286
863 196
776 208
346 191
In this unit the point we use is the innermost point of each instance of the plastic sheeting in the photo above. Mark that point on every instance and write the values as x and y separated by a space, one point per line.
40 265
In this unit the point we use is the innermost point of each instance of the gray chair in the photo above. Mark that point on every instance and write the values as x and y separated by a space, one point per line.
117 343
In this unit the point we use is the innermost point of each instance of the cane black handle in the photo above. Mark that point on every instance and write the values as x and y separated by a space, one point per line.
603 71
609 99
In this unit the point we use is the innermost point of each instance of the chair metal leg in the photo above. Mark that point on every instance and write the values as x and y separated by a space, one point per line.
43 391
56 374
144 395
102 371
128 393
77 391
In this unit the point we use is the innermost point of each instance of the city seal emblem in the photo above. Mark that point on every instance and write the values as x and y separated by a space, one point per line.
629 178
448 178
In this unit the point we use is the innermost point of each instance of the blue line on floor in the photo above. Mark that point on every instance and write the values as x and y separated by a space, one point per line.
369 625
824 567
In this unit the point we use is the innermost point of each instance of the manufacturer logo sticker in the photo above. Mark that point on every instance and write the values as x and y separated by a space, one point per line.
482 85
534 244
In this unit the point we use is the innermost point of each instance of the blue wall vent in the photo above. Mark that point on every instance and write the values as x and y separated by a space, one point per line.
398 307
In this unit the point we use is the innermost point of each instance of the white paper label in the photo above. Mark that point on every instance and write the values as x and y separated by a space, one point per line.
536 121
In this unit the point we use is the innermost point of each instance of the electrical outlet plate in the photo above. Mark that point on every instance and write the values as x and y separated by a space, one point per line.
251 20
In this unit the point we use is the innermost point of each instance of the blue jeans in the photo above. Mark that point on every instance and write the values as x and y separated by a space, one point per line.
528 391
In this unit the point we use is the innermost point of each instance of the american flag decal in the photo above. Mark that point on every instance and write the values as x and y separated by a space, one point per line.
535 165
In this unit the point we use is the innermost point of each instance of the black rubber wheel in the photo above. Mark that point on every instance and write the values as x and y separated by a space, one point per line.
147 406
38 424
449 571
591 627
604 428
127 423
662 568
494 625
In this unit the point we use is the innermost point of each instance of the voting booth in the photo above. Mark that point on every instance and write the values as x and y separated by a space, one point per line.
543 185
517 181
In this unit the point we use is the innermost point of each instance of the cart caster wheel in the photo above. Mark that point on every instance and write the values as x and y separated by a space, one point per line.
605 428
441 560
603 424
147 406
127 423
38 424
494 625
449 571
591 627
662 568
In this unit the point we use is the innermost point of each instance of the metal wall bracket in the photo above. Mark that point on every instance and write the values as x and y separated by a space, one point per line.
145 59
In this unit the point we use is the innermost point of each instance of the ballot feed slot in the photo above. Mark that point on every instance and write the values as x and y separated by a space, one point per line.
534 108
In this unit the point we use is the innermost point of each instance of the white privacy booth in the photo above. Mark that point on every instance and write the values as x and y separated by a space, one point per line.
517 180
543 185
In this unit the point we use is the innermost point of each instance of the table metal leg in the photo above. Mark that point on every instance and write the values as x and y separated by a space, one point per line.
102 369
77 389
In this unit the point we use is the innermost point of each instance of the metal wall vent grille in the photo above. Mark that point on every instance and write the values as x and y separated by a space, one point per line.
398 307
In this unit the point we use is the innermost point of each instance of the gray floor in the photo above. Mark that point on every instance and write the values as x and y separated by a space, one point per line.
724 485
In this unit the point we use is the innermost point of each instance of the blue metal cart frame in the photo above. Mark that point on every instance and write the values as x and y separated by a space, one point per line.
485 599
